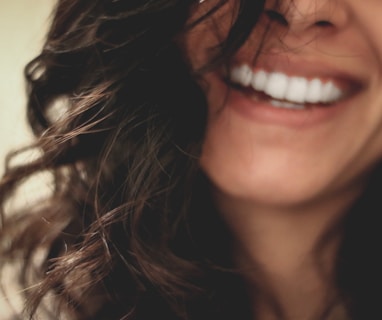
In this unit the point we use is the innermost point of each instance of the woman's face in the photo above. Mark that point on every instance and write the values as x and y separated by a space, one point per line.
304 121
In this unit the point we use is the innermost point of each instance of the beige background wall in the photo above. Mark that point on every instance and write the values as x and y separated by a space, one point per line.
23 25
22 29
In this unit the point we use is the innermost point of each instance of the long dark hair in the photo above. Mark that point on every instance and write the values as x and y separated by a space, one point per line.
127 230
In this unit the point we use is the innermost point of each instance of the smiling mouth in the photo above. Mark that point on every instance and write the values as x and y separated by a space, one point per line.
289 92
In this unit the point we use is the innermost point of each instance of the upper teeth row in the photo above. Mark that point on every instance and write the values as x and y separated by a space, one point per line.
282 87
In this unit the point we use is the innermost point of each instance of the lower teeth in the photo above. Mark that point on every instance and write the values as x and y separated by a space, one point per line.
287 105
259 96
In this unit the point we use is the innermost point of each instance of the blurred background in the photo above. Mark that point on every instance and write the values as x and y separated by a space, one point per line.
23 24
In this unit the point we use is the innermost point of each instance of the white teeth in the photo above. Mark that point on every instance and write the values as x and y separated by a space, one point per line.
296 90
313 93
242 75
259 80
276 85
330 92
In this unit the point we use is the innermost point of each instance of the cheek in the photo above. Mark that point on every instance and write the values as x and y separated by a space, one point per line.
367 19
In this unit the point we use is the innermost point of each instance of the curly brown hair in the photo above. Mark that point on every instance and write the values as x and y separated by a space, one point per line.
119 117
128 229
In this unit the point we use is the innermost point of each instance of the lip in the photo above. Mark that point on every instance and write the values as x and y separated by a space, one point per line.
262 111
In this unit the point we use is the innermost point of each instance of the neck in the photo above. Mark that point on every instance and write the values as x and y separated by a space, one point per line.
286 254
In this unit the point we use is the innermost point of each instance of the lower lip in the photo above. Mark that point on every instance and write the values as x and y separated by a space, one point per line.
264 112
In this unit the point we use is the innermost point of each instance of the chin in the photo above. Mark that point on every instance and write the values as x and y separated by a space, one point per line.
275 192
271 183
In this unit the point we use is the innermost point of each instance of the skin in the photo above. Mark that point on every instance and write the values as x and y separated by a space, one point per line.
282 187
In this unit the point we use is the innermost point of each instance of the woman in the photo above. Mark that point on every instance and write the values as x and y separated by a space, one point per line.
212 160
